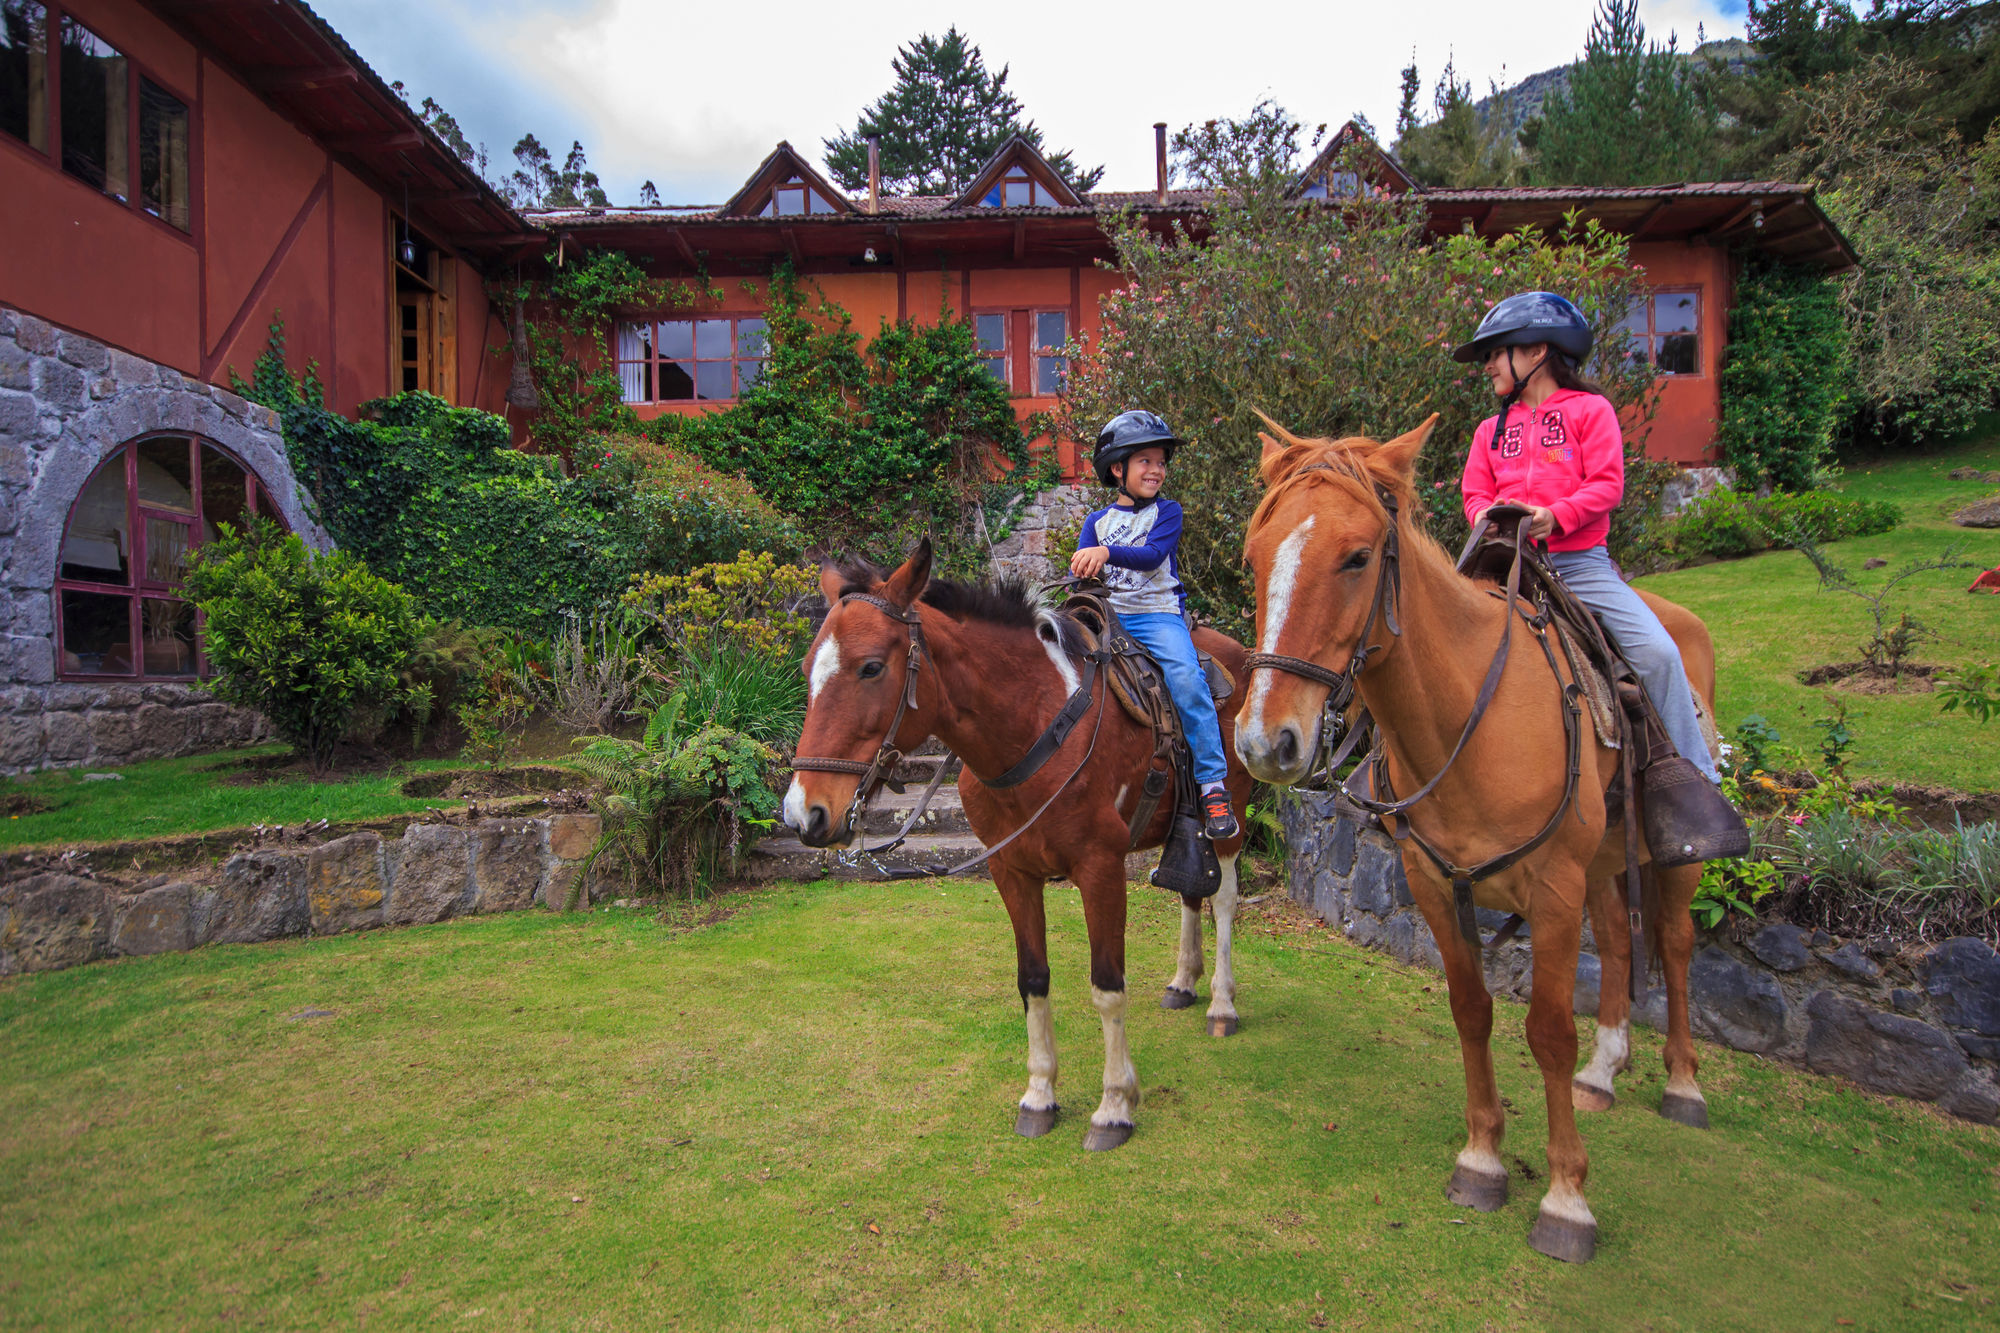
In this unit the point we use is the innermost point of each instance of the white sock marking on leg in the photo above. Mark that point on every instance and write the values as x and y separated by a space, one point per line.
1041 1093
1121 1081
1610 1053
1222 1000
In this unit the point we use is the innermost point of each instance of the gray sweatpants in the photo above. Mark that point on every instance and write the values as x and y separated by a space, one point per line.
1645 643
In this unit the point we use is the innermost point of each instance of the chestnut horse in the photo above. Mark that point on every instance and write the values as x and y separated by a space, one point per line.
1316 543
993 671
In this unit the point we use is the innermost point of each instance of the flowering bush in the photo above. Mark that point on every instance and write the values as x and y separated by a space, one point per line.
751 603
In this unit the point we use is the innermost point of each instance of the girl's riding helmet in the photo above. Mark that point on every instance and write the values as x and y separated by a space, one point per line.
1126 434
1530 317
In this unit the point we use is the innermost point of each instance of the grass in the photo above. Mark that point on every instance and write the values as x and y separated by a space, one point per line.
800 1116
159 797
1770 621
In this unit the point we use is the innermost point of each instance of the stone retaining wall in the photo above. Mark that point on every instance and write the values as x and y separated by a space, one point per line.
54 920
1026 552
66 403
1926 1027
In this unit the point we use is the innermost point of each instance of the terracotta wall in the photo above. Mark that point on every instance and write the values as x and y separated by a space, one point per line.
1683 430
277 226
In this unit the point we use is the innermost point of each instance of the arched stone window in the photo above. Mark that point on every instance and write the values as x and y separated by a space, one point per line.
125 549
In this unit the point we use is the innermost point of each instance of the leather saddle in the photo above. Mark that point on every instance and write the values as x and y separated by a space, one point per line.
1136 679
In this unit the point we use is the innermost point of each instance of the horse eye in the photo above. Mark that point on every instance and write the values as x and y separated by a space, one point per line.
1359 560
870 670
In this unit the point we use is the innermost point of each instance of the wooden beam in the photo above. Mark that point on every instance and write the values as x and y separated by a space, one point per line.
791 236
681 247
289 80
895 245
378 142
1736 217
455 196
1020 238
1647 219
1747 221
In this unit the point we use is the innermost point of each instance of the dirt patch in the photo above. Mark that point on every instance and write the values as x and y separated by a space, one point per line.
18 803
257 769
1937 806
1868 678
523 780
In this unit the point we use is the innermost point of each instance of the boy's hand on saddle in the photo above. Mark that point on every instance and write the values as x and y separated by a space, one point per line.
1088 561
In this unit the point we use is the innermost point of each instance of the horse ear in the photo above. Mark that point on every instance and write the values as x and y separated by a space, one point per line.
831 581
1267 462
911 577
1399 455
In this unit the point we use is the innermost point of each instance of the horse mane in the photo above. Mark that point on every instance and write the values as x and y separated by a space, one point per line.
1008 602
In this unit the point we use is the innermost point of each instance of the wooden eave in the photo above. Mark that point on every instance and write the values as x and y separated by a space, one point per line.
781 165
1016 149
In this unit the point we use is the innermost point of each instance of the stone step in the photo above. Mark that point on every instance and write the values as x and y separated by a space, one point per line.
886 813
788 858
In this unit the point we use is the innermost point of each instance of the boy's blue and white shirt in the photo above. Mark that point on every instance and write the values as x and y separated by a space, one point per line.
1143 571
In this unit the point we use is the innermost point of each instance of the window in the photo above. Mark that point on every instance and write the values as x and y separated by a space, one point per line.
794 197
1051 329
107 123
1017 189
1665 329
686 360
1336 185
991 330
126 548
24 72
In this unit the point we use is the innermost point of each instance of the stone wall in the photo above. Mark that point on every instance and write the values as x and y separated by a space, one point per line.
1026 553
52 920
1926 1026
67 402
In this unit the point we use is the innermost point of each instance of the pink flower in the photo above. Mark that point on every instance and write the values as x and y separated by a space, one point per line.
1796 819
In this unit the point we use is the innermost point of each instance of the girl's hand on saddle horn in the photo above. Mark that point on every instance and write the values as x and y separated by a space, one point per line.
1541 522
1086 563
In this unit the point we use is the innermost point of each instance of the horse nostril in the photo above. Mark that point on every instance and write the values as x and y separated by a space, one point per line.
814 832
1288 748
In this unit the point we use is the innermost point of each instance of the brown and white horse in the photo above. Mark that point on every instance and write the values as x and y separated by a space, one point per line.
1316 543
993 671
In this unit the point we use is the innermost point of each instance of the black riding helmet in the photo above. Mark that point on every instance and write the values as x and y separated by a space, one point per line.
1530 317
1126 434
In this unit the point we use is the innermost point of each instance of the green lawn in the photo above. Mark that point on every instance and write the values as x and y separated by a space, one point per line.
1770 621
161 797
800 1117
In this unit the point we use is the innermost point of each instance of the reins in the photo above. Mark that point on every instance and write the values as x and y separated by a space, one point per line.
880 771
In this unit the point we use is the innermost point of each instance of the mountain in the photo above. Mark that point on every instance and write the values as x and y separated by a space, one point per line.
1524 100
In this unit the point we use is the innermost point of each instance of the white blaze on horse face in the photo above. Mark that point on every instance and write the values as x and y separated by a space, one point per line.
824 664
795 805
1277 605
1051 639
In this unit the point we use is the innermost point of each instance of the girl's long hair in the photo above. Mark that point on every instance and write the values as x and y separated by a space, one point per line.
1567 376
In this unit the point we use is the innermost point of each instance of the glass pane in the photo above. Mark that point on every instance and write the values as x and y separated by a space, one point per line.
94 86
711 339
1049 374
748 373
1679 355
163 155
1020 193
1674 312
752 337
225 492
96 633
1051 328
164 480
770 208
1315 190
676 381
677 338
992 330
791 200
996 366
992 199
820 203
24 73
99 539
713 379
166 637
166 549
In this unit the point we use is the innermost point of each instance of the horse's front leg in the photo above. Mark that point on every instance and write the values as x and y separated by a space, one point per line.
1479 1178
1021 892
1611 1052
1222 998
1102 884
1565 1228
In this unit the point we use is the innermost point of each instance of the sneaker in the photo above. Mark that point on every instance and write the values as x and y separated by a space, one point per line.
1221 822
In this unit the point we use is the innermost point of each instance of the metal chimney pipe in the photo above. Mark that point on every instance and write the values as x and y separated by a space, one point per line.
1160 159
874 172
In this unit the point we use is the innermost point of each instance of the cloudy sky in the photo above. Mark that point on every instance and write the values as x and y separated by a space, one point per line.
692 96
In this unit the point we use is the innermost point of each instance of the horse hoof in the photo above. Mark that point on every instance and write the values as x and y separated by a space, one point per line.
1103 1138
1689 1111
1477 1190
1175 998
1559 1238
1587 1098
1032 1124
1222 1027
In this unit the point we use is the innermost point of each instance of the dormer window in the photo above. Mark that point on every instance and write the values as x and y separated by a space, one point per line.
794 198
1017 189
1335 185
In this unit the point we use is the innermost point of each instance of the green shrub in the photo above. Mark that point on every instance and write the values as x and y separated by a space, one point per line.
1727 524
751 603
303 637
679 512
1784 375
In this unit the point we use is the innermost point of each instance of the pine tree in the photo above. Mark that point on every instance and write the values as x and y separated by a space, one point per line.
940 123
1633 113
1406 110
1459 147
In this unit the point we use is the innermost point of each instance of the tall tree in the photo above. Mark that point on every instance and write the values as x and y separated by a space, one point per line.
1634 112
1406 109
539 183
945 116
1460 146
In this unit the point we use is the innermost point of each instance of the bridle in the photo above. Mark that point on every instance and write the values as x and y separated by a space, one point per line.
880 771
1383 605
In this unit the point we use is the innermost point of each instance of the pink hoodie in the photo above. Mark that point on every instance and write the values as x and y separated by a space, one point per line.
1567 456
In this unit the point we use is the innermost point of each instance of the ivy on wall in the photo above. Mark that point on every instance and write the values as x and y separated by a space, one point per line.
1784 375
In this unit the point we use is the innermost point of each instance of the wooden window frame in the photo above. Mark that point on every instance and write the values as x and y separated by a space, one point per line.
1015 172
653 359
1649 339
1034 350
55 14
806 193
1009 343
138 588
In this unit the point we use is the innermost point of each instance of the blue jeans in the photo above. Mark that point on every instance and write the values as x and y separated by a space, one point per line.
1166 638
1645 643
